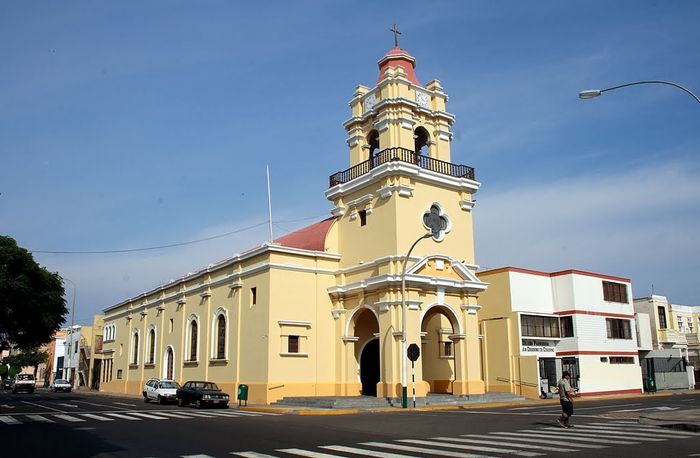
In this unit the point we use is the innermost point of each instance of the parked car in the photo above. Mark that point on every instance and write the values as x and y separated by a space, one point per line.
6 383
160 390
24 382
200 394
60 385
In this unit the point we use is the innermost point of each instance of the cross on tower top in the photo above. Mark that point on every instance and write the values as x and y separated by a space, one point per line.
396 32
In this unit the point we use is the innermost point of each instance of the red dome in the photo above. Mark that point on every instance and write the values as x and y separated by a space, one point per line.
398 57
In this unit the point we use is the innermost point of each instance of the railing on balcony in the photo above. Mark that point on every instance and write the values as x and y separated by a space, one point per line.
672 336
402 155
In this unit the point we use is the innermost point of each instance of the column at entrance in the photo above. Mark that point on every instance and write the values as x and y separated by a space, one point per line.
468 377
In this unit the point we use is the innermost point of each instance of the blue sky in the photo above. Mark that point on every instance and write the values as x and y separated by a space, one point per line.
135 124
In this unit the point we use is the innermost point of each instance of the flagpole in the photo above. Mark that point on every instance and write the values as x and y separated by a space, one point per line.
269 202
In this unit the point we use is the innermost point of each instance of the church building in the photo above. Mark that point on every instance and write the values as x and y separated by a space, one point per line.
330 310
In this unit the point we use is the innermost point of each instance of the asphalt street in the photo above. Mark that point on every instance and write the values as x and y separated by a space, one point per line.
87 424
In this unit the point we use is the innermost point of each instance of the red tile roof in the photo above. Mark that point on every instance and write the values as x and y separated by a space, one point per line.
311 237
398 57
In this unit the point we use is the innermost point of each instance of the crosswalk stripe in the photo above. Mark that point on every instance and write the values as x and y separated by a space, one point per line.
252 455
258 413
608 434
360 451
96 417
196 456
173 415
70 418
197 414
147 415
125 417
309 453
225 414
476 440
582 439
429 451
476 448
522 437
631 432
644 428
40 418
9 420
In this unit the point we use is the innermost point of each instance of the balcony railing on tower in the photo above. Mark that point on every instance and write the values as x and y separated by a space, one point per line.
402 155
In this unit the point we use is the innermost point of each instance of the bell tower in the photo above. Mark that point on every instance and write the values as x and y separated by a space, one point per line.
401 184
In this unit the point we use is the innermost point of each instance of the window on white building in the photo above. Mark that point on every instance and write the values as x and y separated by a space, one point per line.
567 326
618 329
539 326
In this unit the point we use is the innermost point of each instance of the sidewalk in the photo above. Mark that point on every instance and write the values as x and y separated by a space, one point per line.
684 419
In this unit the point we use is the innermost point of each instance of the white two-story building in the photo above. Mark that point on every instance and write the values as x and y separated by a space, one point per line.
535 325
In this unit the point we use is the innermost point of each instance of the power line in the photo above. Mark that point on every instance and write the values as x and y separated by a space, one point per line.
170 245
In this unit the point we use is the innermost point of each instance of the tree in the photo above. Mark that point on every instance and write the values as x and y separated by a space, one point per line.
32 307
33 357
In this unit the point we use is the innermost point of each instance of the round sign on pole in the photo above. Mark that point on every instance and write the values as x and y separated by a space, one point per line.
413 352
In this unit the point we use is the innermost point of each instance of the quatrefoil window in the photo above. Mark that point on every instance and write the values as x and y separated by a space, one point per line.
437 222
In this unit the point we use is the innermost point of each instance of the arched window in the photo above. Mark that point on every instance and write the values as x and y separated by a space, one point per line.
373 142
221 337
421 145
193 340
135 349
152 346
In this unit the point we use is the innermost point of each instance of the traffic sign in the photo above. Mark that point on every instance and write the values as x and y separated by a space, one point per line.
413 352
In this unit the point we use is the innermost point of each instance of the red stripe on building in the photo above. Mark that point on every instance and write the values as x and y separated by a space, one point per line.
553 274
597 352
591 312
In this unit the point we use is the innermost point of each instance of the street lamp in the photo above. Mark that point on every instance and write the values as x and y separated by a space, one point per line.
404 365
70 333
592 93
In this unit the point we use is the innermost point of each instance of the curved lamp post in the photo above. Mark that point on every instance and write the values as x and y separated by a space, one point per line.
72 323
592 93
404 365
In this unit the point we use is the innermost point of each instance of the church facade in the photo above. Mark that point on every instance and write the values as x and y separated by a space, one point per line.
330 309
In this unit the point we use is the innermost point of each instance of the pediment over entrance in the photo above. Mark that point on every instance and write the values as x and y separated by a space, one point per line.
438 266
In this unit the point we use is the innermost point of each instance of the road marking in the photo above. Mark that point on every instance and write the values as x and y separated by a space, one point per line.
476 448
359 451
173 415
9 420
251 455
196 456
5 406
96 404
644 432
505 444
97 417
66 405
580 408
125 417
529 432
609 434
662 408
428 451
147 415
124 404
309 453
43 407
528 438
68 418
40 419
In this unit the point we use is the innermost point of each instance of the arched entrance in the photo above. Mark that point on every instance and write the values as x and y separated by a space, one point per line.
369 368
168 366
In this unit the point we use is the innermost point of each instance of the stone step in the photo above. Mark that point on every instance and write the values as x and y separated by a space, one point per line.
369 402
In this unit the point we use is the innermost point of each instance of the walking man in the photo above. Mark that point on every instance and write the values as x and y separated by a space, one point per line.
566 399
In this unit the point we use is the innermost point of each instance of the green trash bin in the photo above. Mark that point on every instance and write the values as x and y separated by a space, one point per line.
242 394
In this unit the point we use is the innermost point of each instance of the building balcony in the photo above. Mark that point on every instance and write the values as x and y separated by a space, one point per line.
671 336
692 340
402 155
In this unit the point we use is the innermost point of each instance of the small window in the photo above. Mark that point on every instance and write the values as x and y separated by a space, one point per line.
119 374
621 360
172 325
567 326
253 296
363 217
662 317
446 349
618 329
293 344
614 292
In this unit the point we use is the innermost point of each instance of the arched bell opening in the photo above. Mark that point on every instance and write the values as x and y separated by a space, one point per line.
438 349
421 144
373 142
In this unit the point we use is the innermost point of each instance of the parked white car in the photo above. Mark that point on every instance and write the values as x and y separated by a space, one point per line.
160 390
60 385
